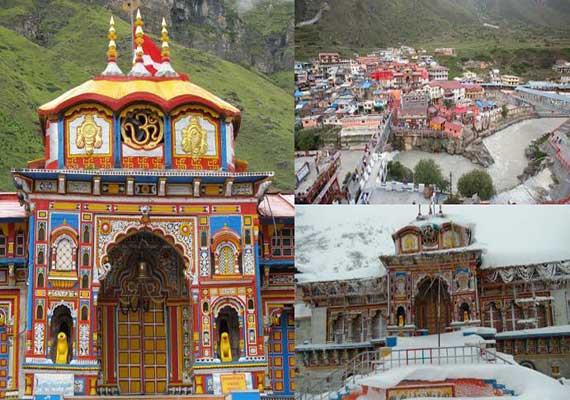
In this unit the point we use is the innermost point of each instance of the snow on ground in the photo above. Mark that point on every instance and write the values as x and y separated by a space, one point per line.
527 383
507 148
345 242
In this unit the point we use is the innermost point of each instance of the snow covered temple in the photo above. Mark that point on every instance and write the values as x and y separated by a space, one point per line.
139 256
374 275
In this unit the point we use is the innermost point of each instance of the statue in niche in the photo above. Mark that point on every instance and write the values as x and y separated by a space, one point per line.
400 320
89 135
61 349
225 348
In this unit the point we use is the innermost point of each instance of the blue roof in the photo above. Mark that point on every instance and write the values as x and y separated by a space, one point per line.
366 85
298 93
552 96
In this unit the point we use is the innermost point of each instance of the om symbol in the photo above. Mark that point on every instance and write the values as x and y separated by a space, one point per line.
142 129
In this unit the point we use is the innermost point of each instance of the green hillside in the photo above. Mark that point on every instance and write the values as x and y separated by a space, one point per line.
519 27
73 50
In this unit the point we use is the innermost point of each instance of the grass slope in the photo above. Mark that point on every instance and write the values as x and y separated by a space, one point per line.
75 50
525 27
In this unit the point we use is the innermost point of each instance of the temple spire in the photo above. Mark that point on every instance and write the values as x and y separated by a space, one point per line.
138 67
112 68
165 67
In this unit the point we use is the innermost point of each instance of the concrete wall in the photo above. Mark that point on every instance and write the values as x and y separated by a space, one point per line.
319 325
560 306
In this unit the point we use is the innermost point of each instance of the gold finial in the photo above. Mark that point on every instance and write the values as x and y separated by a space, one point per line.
165 69
112 68
139 36
164 38
112 36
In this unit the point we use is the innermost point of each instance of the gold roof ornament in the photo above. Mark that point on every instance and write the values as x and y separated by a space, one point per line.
138 68
112 68
165 69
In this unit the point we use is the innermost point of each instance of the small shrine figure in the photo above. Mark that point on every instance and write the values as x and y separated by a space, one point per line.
61 349
225 348
465 316
400 320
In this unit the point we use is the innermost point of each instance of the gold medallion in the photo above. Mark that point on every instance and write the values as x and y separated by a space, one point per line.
89 135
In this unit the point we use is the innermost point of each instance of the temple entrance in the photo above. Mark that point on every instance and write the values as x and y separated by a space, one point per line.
141 298
427 303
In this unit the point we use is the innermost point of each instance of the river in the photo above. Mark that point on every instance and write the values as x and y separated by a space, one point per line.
507 148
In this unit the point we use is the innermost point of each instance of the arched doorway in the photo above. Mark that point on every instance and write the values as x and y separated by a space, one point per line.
427 302
141 299
227 321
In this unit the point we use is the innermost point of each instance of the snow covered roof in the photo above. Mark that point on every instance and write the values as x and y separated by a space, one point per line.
561 330
335 243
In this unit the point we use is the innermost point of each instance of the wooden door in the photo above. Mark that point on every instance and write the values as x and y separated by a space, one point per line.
142 351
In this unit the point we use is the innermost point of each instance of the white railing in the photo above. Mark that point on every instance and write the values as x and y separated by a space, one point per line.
454 355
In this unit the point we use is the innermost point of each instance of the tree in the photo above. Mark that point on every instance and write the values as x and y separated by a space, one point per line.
504 111
398 172
429 173
476 182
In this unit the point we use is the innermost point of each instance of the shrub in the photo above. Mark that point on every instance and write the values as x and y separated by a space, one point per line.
476 182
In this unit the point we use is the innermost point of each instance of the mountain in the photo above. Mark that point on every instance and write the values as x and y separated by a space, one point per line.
70 47
348 25
231 29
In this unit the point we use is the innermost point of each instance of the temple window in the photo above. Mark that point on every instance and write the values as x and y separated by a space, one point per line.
20 243
227 259
250 305
248 236
282 243
2 244
63 254
203 239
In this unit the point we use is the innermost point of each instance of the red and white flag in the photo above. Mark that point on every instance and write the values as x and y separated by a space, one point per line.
151 55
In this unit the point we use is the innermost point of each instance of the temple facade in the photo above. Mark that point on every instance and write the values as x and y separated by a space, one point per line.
439 278
144 259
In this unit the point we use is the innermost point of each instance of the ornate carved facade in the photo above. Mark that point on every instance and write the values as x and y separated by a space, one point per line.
145 245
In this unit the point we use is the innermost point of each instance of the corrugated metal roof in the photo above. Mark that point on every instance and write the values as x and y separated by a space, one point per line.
277 205
10 206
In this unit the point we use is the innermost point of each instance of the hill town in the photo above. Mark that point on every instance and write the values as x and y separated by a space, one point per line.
393 127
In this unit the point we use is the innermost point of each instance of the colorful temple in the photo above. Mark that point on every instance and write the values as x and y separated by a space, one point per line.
472 269
143 258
